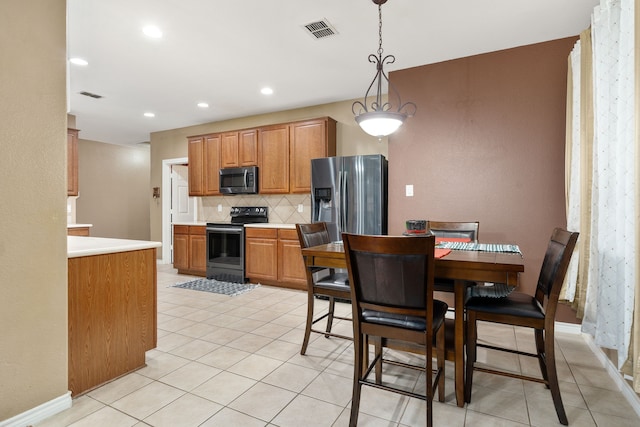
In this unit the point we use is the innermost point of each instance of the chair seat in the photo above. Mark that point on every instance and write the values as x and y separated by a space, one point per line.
336 282
516 304
407 322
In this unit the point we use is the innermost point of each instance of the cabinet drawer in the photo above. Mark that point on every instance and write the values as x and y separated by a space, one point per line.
198 230
181 229
287 234
264 233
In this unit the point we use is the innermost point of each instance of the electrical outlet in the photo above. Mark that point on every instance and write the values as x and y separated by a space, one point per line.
409 190
300 208
219 208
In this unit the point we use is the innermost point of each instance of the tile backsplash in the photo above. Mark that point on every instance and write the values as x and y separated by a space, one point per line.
283 209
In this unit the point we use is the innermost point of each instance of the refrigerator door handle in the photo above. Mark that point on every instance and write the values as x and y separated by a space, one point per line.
344 211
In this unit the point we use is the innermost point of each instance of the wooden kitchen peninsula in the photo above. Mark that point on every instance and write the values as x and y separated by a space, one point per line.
112 303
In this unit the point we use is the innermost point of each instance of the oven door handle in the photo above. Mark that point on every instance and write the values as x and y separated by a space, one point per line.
225 230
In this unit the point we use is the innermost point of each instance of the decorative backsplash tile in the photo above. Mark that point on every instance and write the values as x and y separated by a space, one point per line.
283 209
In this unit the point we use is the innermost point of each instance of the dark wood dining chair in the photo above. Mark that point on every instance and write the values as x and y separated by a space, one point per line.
455 229
323 282
519 309
391 281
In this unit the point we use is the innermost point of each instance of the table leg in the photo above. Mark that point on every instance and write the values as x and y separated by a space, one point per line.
459 292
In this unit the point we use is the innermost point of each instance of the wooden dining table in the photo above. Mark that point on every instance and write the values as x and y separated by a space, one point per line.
461 266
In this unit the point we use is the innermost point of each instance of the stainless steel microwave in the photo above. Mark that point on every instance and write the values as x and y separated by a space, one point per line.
243 180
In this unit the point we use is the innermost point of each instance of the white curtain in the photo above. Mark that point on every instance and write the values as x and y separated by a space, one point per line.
613 263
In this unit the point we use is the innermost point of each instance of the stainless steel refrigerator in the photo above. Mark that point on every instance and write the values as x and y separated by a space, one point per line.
350 194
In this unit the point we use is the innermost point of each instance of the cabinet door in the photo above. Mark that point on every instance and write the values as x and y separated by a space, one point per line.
273 159
291 267
211 166
72 162
181 251
198 252
309 140
248 148
196 166
261 259
229 150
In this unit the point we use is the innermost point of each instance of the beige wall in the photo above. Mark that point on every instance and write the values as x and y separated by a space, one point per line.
487 144
33 259
172 144
114 189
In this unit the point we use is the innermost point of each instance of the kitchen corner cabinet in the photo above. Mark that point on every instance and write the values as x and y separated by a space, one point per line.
72 162
310 139
273 159
273 257
204 165
190 249
239 148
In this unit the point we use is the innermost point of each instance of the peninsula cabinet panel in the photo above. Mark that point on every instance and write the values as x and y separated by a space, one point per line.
309 140
273 159
72 162
112 310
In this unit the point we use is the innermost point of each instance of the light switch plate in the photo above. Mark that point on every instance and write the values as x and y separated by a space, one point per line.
219 208
300 208
409 190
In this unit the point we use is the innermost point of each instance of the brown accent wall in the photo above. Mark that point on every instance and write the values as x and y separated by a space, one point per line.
486 144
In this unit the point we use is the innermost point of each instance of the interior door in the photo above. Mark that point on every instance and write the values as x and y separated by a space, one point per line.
183 207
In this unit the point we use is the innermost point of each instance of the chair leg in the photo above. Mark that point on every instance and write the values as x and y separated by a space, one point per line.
307 329
332 307
378 354
472 336
440 355
539 337
552 375
358 368
429 376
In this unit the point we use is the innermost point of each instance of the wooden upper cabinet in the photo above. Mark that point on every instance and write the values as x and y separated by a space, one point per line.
204 165
212 165
248 147
273 159
239 148
72 162
196 166
310 139
229 150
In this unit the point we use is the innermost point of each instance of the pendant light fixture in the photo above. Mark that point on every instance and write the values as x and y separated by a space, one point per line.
378 119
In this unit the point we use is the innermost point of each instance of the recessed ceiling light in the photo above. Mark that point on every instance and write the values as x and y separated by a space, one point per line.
266 91
203 105
149 115
152 31
78 61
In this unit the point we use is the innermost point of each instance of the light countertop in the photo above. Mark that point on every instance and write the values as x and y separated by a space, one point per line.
78 246
270 225
79 225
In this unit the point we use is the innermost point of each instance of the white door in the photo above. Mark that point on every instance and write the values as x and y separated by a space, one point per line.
183 207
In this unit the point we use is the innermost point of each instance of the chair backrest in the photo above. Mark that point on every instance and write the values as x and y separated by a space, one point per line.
467 230
554 268
390 273
313 234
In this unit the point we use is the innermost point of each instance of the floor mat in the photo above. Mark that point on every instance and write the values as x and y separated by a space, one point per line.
216 286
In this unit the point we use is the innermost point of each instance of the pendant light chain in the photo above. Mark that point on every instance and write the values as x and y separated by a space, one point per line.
380 29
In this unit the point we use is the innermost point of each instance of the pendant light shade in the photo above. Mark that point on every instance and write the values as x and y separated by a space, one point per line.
377 118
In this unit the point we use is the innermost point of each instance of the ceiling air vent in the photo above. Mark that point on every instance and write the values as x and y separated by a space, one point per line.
92 95
320 29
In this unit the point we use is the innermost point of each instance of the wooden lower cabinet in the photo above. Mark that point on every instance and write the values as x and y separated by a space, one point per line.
112 316
272 257
190 249
78 231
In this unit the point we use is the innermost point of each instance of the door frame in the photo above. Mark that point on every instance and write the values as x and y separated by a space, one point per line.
167 242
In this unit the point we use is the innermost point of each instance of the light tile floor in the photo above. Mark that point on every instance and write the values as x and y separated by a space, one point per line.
234 361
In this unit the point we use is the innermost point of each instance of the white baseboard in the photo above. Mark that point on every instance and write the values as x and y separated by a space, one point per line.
40 412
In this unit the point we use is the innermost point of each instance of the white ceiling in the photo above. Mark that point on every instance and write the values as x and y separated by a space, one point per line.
224 52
